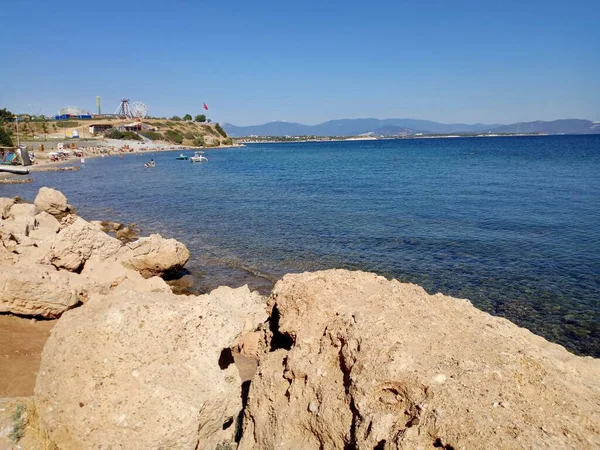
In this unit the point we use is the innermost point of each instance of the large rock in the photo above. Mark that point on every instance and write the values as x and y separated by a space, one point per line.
51 201
146 371
23 210
103 276
78 242
361 362
37 290
155 255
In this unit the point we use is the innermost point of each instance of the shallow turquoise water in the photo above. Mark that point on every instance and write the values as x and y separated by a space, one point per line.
510 223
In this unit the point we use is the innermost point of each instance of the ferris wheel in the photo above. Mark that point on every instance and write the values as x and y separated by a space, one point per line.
139 110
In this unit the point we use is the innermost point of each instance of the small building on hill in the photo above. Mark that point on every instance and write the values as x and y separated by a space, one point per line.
99 128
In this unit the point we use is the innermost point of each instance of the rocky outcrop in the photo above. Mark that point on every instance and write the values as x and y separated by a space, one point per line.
146 371
78 242
155 255
37 290
52 265
361 362
51 201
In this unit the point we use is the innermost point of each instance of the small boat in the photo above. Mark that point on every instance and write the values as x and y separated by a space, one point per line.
150 164
182 156
198 157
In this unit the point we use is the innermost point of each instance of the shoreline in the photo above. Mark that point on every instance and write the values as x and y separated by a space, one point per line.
322 343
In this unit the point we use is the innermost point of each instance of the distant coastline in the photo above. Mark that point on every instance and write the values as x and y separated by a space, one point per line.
289 139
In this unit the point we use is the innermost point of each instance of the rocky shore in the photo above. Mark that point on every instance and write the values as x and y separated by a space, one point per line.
329 360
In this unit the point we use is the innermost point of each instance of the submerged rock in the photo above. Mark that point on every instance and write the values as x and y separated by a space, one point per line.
146 371
357 361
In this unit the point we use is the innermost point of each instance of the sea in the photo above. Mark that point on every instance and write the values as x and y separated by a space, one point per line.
510 223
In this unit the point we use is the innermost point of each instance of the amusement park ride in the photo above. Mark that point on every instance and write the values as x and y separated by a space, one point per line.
135 110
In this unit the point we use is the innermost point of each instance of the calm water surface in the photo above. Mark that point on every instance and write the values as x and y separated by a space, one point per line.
510 223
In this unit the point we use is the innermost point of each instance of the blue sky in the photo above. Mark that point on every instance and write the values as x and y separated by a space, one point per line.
308 61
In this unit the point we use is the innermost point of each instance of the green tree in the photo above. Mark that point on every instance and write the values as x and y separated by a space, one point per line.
200 118
187 118
5 139
176 119
5 115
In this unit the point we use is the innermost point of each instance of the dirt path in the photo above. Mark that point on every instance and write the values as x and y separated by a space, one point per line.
21 344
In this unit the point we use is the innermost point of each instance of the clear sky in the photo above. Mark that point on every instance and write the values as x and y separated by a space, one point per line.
307 61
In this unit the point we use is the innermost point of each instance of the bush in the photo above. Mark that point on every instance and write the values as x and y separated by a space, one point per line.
176 119
220 130
153 135
66 124
200 118
187 117
5 139
127 135
174 136
210 130
227 141
199 141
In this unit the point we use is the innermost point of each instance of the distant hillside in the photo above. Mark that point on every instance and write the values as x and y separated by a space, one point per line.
394 127
567 126
351 127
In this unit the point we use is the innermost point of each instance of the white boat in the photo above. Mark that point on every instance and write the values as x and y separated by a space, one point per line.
198 157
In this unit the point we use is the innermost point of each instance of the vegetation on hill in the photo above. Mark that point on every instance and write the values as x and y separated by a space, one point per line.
5 115
5 139
220 130
174 136
127 135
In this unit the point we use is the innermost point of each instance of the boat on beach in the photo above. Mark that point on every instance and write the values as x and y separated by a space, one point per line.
198 157
183 157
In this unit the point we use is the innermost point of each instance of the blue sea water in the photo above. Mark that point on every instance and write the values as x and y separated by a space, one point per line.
511 223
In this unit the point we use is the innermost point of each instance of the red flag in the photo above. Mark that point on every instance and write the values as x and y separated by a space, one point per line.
205 107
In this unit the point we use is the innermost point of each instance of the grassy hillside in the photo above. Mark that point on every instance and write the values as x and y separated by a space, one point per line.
174 132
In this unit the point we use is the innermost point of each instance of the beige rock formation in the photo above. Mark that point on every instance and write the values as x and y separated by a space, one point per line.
51 201
155 255
100 276
5 205
78 242
23 210
377 364
146 371
37 290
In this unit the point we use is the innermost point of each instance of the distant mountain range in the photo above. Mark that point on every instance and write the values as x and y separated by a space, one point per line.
396 127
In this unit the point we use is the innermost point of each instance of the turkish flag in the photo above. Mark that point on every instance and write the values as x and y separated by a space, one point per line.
205 107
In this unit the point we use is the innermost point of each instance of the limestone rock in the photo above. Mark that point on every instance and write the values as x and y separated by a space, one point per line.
155 255
78 242
23 210
101 276
51 201
5 205
36 290
362 362
145 371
